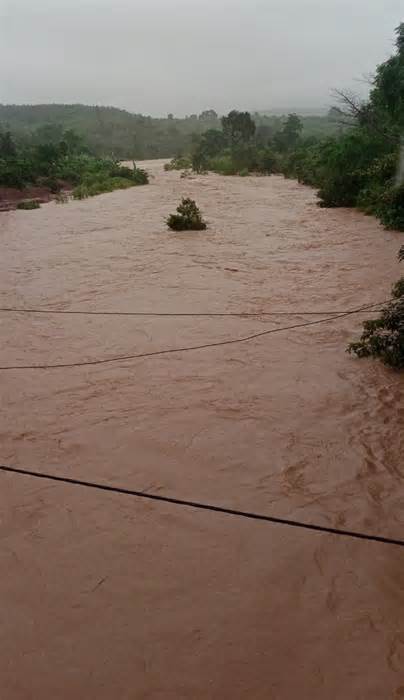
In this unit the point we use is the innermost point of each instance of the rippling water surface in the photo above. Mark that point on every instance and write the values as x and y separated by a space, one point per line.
108 597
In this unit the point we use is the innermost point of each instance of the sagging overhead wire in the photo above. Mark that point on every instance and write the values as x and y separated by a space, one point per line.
204 346
197 505
173 314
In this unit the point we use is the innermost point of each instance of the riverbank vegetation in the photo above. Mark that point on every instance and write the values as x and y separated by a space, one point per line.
383 337
66 165
178 163
107 177
357 167
115 133
28 204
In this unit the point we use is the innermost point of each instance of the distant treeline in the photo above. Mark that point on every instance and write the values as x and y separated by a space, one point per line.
360 165
352 155
116 133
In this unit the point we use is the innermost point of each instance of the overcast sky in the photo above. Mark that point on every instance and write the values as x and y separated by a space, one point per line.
183 56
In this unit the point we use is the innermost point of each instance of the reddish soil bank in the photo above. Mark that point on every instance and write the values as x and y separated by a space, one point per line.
10 196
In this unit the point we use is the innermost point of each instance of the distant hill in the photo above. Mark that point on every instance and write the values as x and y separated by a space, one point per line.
301 111
111 131
107 130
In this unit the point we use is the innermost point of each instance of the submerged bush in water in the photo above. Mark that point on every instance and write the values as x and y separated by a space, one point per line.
188 217
178 163
384 336
139 176
28 204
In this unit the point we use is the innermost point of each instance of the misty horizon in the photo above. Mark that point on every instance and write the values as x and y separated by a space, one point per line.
182 57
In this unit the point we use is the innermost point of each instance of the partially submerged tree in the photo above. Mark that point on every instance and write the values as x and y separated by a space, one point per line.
384 336
188 217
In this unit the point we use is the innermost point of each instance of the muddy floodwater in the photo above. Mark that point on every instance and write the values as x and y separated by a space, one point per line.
105 596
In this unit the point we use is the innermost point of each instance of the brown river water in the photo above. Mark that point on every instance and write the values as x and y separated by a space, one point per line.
106 596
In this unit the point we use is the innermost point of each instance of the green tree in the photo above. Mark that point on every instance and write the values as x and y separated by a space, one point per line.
210 144
209 116
8 148
290 134
238 127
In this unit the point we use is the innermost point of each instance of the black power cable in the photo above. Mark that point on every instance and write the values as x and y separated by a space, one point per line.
172 314
204 506
122 358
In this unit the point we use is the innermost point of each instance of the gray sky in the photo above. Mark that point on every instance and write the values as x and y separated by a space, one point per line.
182 56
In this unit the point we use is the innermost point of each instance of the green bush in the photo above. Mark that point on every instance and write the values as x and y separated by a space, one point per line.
384 337
267 161
188 217
122 171
14 173
339 190
80 192
398 289
108 184
135 175
223 165
139 176
56 162
28 204
390 207
178 163
244 156
51 183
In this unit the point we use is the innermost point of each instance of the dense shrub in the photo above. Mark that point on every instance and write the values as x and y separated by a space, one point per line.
238 127
107 184
384 337
187 218
266 161
14 173
223 165
360 167
139 176
51 164
339 190
398 289
51 183
389 207
28 204
179 163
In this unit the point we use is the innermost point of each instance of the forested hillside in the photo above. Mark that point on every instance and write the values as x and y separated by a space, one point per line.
108 131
